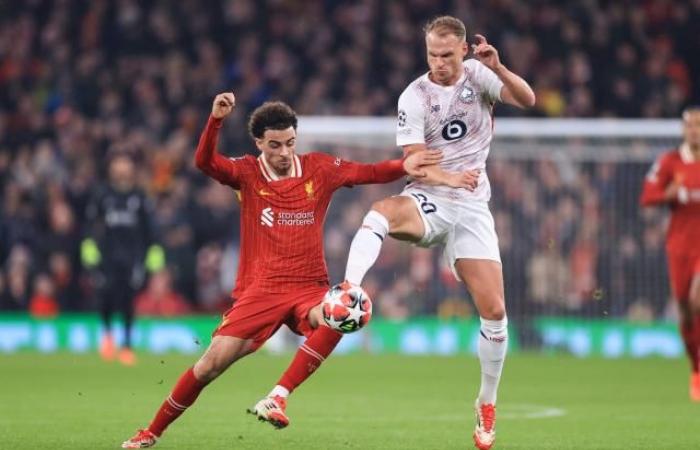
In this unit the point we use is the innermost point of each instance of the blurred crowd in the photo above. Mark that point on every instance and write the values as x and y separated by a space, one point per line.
573 242
81 80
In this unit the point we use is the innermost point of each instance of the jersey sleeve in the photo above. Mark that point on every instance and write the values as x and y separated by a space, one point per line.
225 170
488 81
342 172
410 125
657 179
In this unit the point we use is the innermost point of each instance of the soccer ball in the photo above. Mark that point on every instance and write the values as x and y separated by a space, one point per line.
346 308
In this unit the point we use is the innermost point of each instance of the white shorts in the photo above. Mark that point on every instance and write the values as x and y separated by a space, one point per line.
465 228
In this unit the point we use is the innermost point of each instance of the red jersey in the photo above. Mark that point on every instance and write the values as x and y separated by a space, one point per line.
282 219
679 166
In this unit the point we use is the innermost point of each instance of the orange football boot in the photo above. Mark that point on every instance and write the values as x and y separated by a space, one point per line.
142 439
107 348
695 386
485 430
272 411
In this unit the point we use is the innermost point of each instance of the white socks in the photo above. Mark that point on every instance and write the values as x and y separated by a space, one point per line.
365 246
279 390
493 343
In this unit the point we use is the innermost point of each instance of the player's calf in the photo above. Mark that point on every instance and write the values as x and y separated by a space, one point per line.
694 296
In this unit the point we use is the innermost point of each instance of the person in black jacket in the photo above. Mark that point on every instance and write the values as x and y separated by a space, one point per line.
118 241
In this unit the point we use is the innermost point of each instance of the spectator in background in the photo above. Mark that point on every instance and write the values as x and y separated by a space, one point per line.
160 299
43 303
78 82
119 246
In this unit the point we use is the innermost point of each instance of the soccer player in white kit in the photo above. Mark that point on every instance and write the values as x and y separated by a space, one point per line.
450 109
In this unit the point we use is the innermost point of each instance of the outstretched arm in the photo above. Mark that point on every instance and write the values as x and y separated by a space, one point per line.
515 90
414 165
434 175
207 158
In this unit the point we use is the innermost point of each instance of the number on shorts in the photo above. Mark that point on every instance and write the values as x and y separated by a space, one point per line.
425 206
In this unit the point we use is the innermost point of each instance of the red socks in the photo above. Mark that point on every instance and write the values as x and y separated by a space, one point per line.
184 393
309 357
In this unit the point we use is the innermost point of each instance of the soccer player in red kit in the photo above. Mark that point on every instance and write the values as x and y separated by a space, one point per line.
282 274
674 179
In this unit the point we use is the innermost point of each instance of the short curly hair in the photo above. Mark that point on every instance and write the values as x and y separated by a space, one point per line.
271 116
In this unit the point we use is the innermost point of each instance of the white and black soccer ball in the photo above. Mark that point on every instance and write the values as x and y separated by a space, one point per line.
346 308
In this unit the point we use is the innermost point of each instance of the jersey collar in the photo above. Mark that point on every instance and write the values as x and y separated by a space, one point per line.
686 154
270 174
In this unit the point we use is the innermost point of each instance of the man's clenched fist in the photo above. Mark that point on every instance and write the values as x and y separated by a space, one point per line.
223 105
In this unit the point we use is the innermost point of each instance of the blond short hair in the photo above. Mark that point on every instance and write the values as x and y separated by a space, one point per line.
444 25
688 111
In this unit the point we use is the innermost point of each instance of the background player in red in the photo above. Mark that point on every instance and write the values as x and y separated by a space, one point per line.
282 275
674 179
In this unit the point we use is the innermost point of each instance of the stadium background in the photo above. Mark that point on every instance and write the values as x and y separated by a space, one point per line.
584 266
81 80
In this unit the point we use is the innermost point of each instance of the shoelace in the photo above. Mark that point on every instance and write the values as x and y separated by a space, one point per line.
143 435
488 415
271 404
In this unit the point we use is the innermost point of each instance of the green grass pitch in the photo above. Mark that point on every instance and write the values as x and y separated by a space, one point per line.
353 402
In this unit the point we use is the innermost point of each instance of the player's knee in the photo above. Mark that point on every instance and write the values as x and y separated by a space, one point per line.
392 209
383 207
494 310
207 369
694 305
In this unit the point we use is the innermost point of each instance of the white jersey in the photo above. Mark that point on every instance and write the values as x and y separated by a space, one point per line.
456 119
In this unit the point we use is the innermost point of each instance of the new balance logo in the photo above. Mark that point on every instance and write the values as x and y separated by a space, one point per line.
496 339
267 217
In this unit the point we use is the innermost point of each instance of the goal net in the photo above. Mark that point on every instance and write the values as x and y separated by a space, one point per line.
573 240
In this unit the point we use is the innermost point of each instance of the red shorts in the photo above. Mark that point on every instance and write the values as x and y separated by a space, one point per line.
258 316
682 268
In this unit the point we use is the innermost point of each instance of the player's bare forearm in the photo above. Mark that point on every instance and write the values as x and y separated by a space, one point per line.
437 176
434 175
515 91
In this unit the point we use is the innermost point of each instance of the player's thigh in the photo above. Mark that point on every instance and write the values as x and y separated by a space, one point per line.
405 222
484 279
254 317
680 270
432 218
306 315
221 353
472 250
